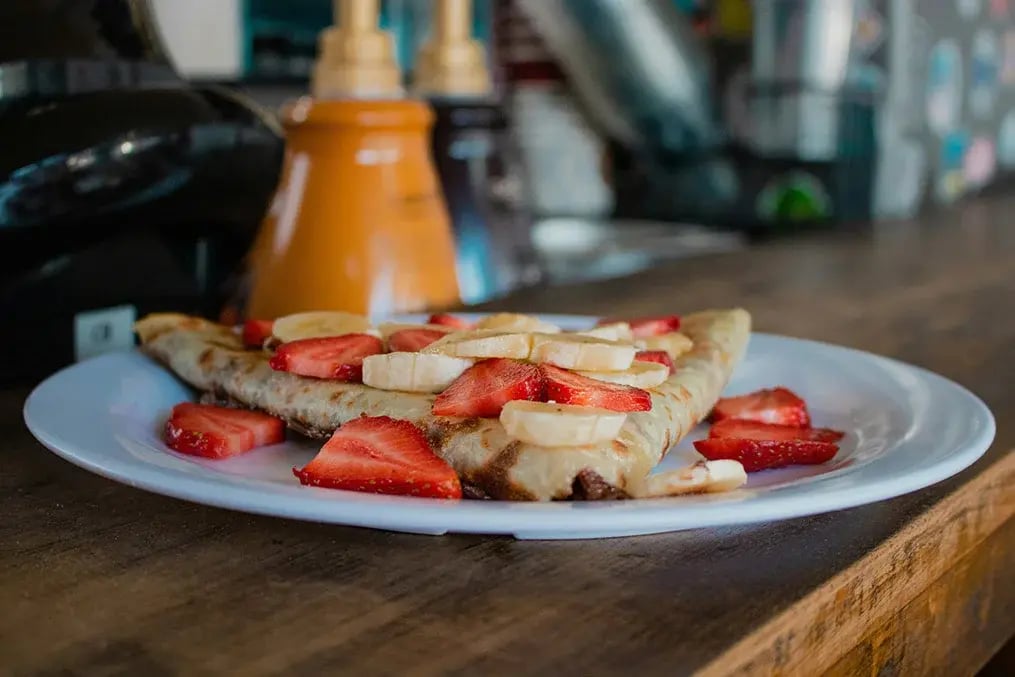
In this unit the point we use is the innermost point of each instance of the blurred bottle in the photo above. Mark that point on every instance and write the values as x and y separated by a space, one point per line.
358 222
475 158
565 160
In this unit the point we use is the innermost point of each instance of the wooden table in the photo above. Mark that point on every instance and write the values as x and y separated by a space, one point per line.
96 577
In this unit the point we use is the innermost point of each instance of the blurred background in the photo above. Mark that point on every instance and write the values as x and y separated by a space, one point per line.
142 143
747 114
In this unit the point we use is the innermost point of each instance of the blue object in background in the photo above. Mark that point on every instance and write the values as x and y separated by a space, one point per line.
687 5
280 36
409 21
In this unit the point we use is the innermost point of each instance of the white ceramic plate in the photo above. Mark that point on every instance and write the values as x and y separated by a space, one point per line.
907 429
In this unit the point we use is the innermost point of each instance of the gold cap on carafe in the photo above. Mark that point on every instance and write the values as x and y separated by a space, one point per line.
356 58
451 62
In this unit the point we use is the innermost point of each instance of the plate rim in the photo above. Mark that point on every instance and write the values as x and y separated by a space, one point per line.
556 519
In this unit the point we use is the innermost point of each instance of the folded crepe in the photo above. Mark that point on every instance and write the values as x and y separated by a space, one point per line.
212 358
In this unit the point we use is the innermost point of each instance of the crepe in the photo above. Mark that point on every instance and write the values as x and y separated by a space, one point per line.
212 358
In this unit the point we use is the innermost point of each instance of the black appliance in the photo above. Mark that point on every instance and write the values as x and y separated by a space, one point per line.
123 188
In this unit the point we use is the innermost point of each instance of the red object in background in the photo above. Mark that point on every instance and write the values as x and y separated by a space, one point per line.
518 51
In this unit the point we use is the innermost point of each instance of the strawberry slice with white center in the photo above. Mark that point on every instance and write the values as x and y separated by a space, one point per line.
642 327
757 455
381 455
220 432
413 340
770 431
449 321
773 405
332 357
256 332
759 446
658 356
484 389
567 387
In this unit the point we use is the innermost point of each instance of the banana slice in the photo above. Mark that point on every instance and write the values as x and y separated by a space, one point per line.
317 324
704 477
513 322
560 425
582 353
615 331
386 329
675 343
412 372
639 375
483 344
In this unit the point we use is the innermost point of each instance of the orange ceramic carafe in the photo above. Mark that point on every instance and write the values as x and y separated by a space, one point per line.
358 222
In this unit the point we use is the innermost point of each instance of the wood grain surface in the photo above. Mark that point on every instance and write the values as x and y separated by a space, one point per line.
98 578
947 628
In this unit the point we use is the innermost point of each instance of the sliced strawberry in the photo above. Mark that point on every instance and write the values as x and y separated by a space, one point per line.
753 430
767 445
762 454
648 326
485 387
773 405
660 356
381 455
413 340
449 321
567 387
255 332
220 432
334 357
